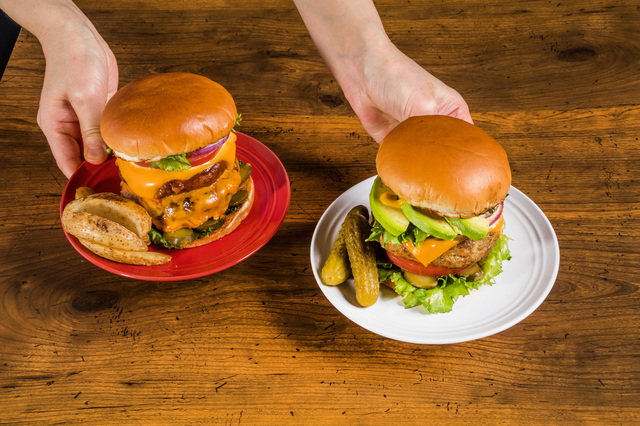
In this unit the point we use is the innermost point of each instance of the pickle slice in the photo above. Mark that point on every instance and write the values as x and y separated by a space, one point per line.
210 225
238 197
181 237
245 170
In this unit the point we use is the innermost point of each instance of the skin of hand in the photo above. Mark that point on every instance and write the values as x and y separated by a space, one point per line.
81 75
382 85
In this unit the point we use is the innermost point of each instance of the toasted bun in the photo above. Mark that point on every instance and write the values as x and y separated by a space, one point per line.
232 221
445 165
166 114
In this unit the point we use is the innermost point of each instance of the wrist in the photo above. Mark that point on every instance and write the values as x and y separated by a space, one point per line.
346 34
360 56
45 19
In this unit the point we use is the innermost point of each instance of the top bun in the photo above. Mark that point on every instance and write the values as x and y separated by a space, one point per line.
166 114
445 165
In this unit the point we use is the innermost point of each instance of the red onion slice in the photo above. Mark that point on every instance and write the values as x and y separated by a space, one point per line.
493 217
209 148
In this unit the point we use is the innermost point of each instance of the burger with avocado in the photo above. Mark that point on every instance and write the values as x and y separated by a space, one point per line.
437 204
173 136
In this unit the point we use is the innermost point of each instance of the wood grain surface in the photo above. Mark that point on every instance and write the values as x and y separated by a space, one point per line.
557 83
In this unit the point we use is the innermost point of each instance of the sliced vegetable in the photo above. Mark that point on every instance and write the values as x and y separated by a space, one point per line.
421 281
209 148
210 225
181 237
238 197
245 170
494 214
418 268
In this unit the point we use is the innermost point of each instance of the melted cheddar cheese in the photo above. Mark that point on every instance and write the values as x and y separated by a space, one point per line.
189 209
145 181
497 226
431 248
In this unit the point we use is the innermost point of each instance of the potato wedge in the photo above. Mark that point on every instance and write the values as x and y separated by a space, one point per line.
83 191
146 258
117 208
101 230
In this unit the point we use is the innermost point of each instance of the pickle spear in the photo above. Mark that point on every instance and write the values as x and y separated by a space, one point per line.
336 268
362 258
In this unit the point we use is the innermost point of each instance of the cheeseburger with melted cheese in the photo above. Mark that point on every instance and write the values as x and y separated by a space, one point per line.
173 137
437 204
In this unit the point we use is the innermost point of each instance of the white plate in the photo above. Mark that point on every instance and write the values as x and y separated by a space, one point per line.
522 286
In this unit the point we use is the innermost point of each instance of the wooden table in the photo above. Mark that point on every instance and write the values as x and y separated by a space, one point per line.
556 83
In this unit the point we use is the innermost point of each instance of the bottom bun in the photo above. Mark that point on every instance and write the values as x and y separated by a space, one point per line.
231 221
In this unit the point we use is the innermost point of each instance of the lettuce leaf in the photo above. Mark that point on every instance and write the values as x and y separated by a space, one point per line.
157 238
172 163
441 298
492 264
237 123
413 234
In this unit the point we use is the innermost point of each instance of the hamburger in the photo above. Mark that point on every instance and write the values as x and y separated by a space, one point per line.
437 204
173 138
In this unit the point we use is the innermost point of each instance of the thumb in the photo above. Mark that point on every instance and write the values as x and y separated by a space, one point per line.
454 105
95 150
89 114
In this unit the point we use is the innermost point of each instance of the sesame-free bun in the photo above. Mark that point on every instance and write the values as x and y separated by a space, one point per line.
445 165
166 114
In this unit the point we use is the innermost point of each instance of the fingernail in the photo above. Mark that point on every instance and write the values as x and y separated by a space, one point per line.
95 153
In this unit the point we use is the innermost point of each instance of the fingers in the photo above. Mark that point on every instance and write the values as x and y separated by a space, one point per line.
80 75
72 122
396 88
59 125
66 152
69 124
455 106
89 102
95 150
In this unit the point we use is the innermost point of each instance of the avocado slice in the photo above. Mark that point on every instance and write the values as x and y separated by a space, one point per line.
475 228
391 218
429 222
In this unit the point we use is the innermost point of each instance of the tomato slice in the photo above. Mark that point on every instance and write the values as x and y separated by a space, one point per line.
419 269
197 160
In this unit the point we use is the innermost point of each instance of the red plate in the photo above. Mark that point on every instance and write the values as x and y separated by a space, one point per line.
272 195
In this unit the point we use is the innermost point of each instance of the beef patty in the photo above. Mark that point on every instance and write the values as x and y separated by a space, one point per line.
461 255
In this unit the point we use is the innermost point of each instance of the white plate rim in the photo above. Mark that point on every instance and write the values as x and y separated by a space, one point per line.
545 256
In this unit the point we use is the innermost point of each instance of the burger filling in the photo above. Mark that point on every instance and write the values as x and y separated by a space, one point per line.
190 202
430 260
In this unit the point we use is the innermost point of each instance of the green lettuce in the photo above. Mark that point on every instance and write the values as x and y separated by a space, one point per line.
158 240
413 234
237 123
172 163
441 298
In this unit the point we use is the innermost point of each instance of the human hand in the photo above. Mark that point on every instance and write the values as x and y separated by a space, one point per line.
394 88
383 85
81 75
